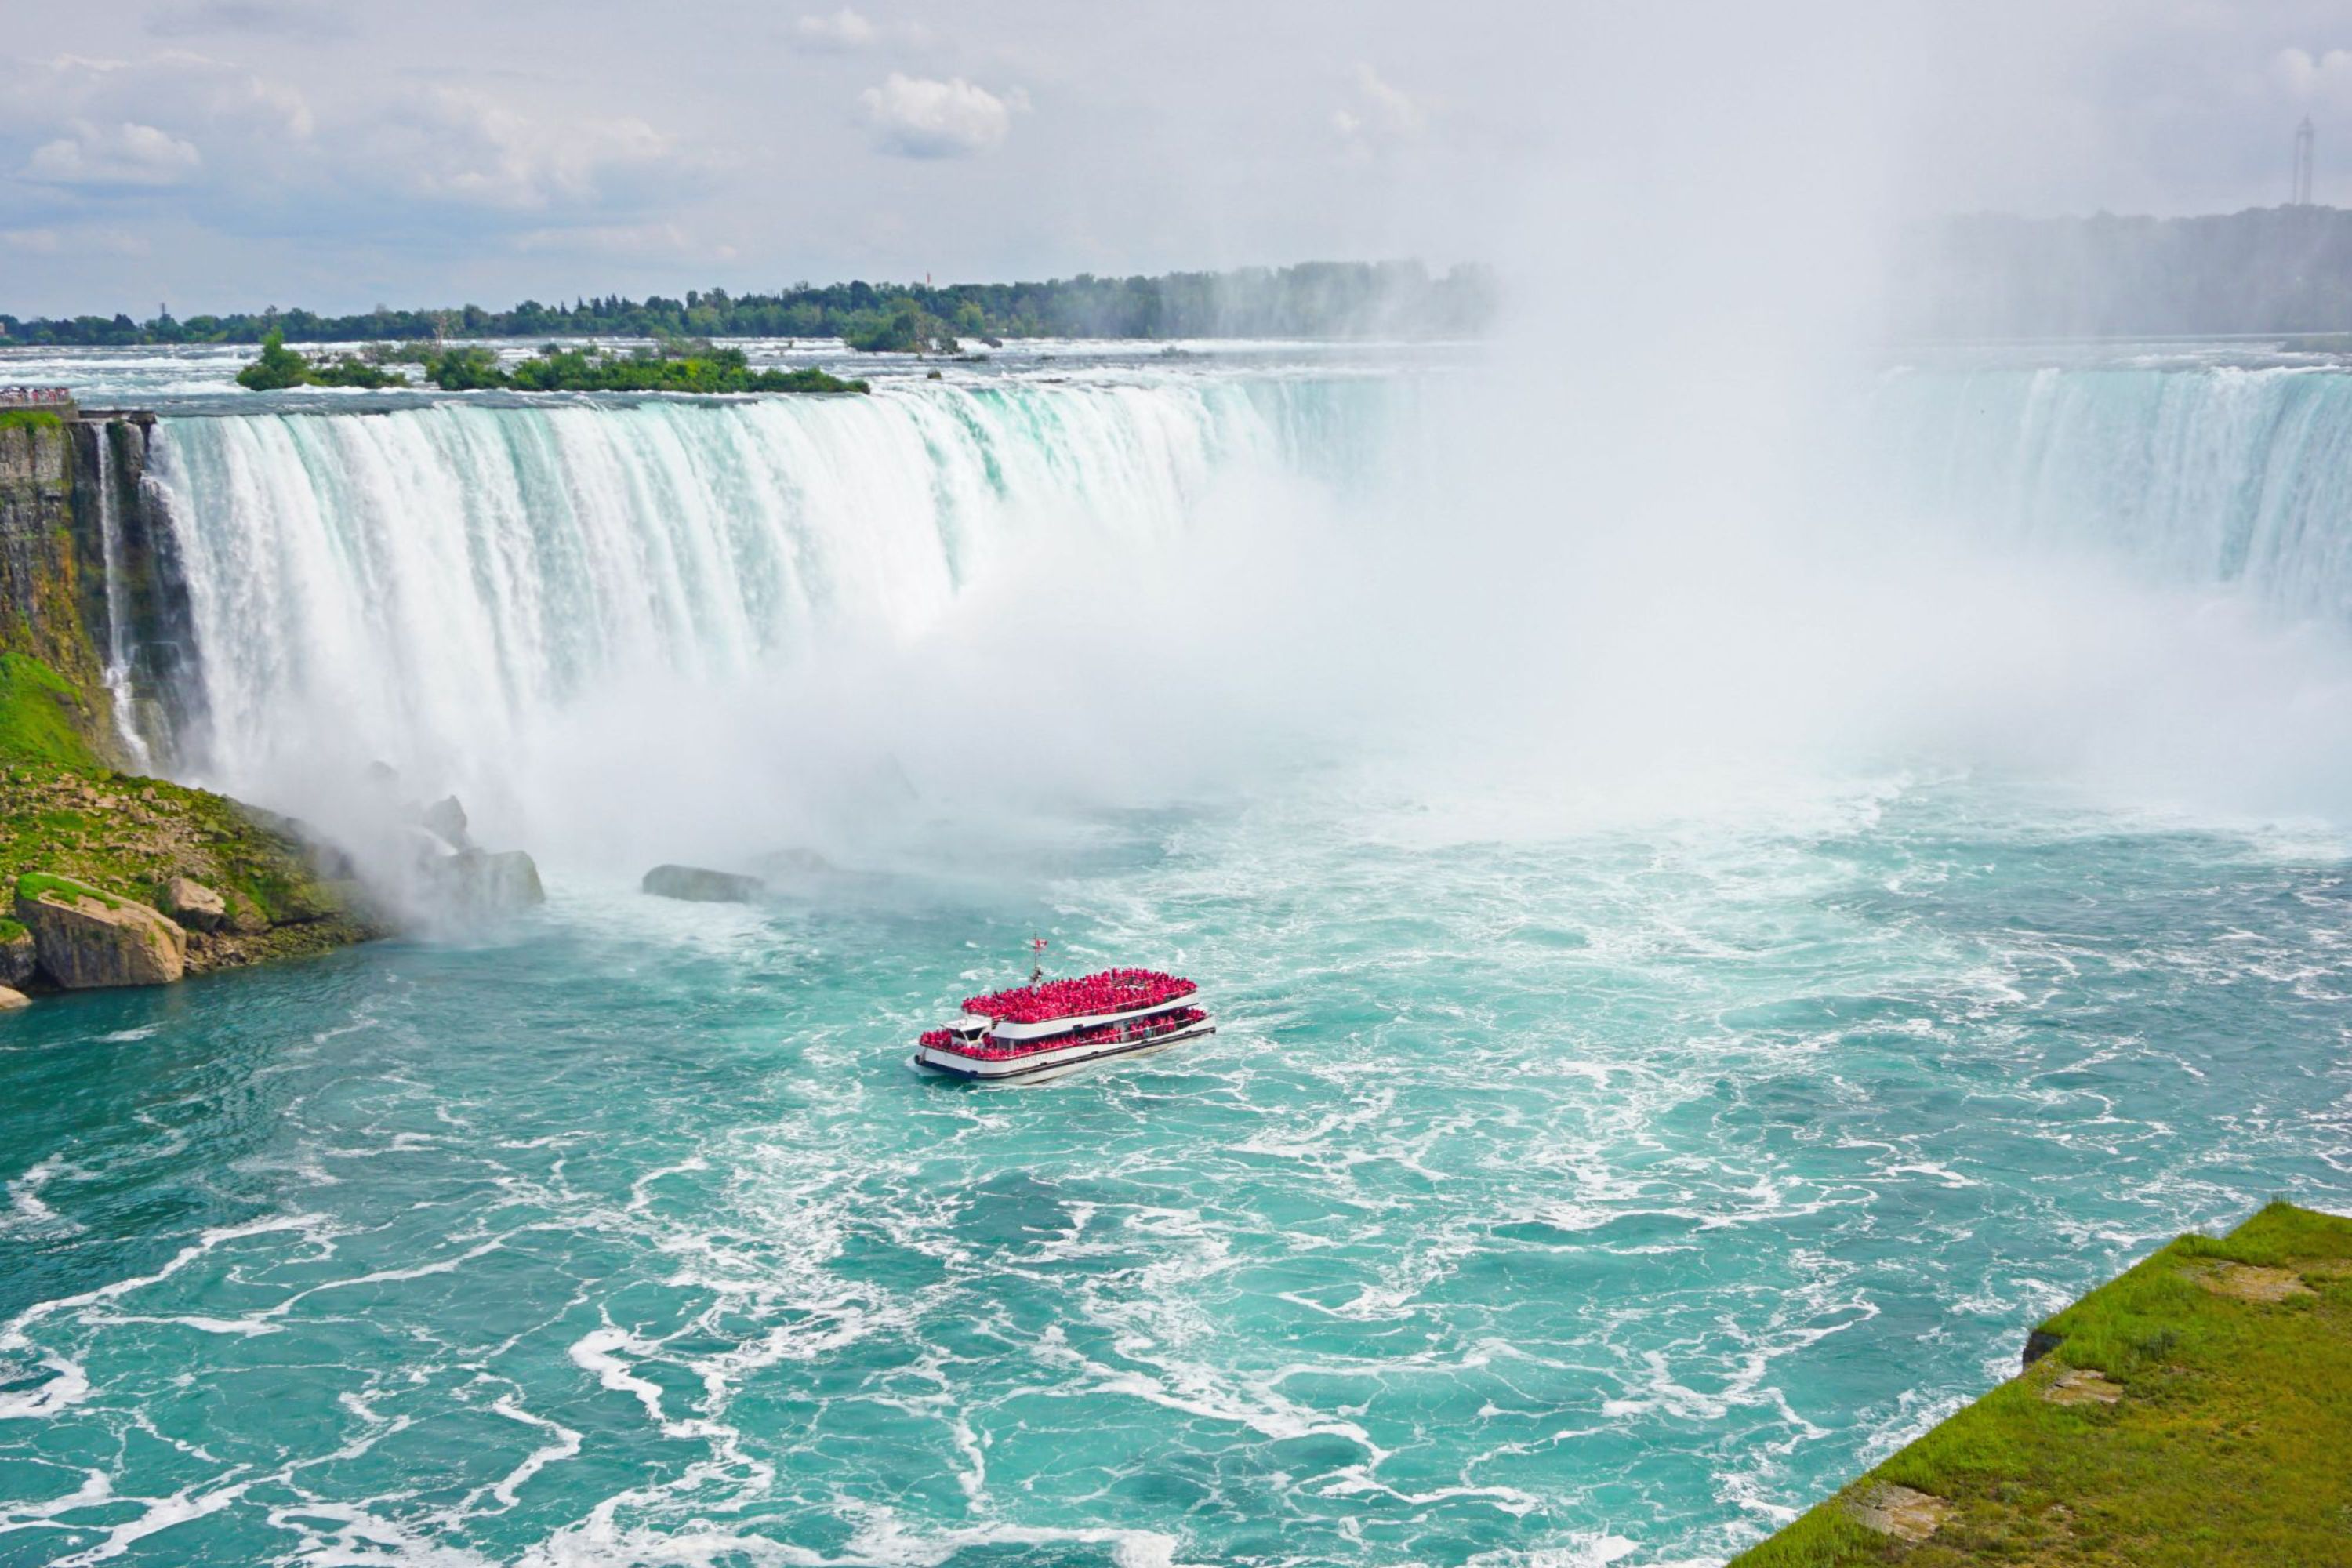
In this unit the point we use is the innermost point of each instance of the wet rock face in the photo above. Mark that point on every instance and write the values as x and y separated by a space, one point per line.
19 961
118 516
699 885
87 938
445 818
476 883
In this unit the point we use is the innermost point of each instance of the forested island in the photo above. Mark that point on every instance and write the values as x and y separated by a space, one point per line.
671 364
1314 299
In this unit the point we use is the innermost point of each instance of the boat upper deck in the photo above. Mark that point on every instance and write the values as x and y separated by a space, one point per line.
1112 991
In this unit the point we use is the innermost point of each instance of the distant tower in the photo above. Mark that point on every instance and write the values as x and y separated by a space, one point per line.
2303 140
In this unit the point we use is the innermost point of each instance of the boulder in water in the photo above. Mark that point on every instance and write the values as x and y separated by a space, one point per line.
87 937
11 999
478 883
193 905
700 884
446 819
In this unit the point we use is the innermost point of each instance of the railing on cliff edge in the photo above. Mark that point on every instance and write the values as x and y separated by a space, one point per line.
36 397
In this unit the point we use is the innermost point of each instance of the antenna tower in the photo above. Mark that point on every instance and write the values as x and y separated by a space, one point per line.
2303 136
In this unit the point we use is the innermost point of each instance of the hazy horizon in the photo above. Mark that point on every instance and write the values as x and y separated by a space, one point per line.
231 154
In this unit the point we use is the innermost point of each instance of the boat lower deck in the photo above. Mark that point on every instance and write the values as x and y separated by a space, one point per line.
1036 1067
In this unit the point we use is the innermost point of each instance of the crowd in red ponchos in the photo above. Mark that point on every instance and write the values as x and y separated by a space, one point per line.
988 1048
1112 991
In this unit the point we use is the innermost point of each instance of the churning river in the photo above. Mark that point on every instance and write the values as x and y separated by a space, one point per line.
1559 1189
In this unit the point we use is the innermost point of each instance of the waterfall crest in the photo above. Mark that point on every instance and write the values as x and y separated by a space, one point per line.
2224 476
420 585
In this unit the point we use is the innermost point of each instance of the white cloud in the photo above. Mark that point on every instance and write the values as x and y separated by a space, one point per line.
846 31
454 145
123 154
2314 78
916 117
1379 115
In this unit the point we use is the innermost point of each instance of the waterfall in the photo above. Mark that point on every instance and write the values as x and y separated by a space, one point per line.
2226 476
117 627
421 586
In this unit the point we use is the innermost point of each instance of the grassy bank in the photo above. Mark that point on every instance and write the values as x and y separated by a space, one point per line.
64 812
30 419
2195 1413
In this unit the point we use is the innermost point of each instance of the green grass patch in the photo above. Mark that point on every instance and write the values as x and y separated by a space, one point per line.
132 835
38 711
34 884
2228 1448
30 419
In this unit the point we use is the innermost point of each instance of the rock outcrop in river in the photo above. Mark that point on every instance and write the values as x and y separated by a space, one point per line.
700 884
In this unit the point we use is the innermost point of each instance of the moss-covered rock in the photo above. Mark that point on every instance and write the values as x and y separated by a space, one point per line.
135 838
88 938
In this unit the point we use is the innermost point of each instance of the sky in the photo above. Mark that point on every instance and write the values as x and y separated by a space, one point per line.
220 154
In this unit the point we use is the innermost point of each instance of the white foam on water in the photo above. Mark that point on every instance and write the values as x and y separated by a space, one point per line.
158 1514
71 1383
565 1447
26 1211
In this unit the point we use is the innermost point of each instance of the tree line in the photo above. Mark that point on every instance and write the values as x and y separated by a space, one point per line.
2283 270
1314 299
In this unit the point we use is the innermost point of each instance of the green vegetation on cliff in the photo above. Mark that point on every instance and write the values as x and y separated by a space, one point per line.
2194 1412
128 837
33 884
30 419
41 717
66 814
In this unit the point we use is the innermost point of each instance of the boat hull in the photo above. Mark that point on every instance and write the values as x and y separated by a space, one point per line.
1039 1066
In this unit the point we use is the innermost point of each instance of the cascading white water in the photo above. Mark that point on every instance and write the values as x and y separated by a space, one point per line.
2222 475
423 586
118 628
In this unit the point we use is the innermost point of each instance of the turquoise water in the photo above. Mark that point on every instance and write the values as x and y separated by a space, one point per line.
1573 1198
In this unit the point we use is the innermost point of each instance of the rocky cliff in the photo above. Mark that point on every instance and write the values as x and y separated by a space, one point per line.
42 588
90 586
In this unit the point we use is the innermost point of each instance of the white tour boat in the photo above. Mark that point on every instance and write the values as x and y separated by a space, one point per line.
1048 1028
